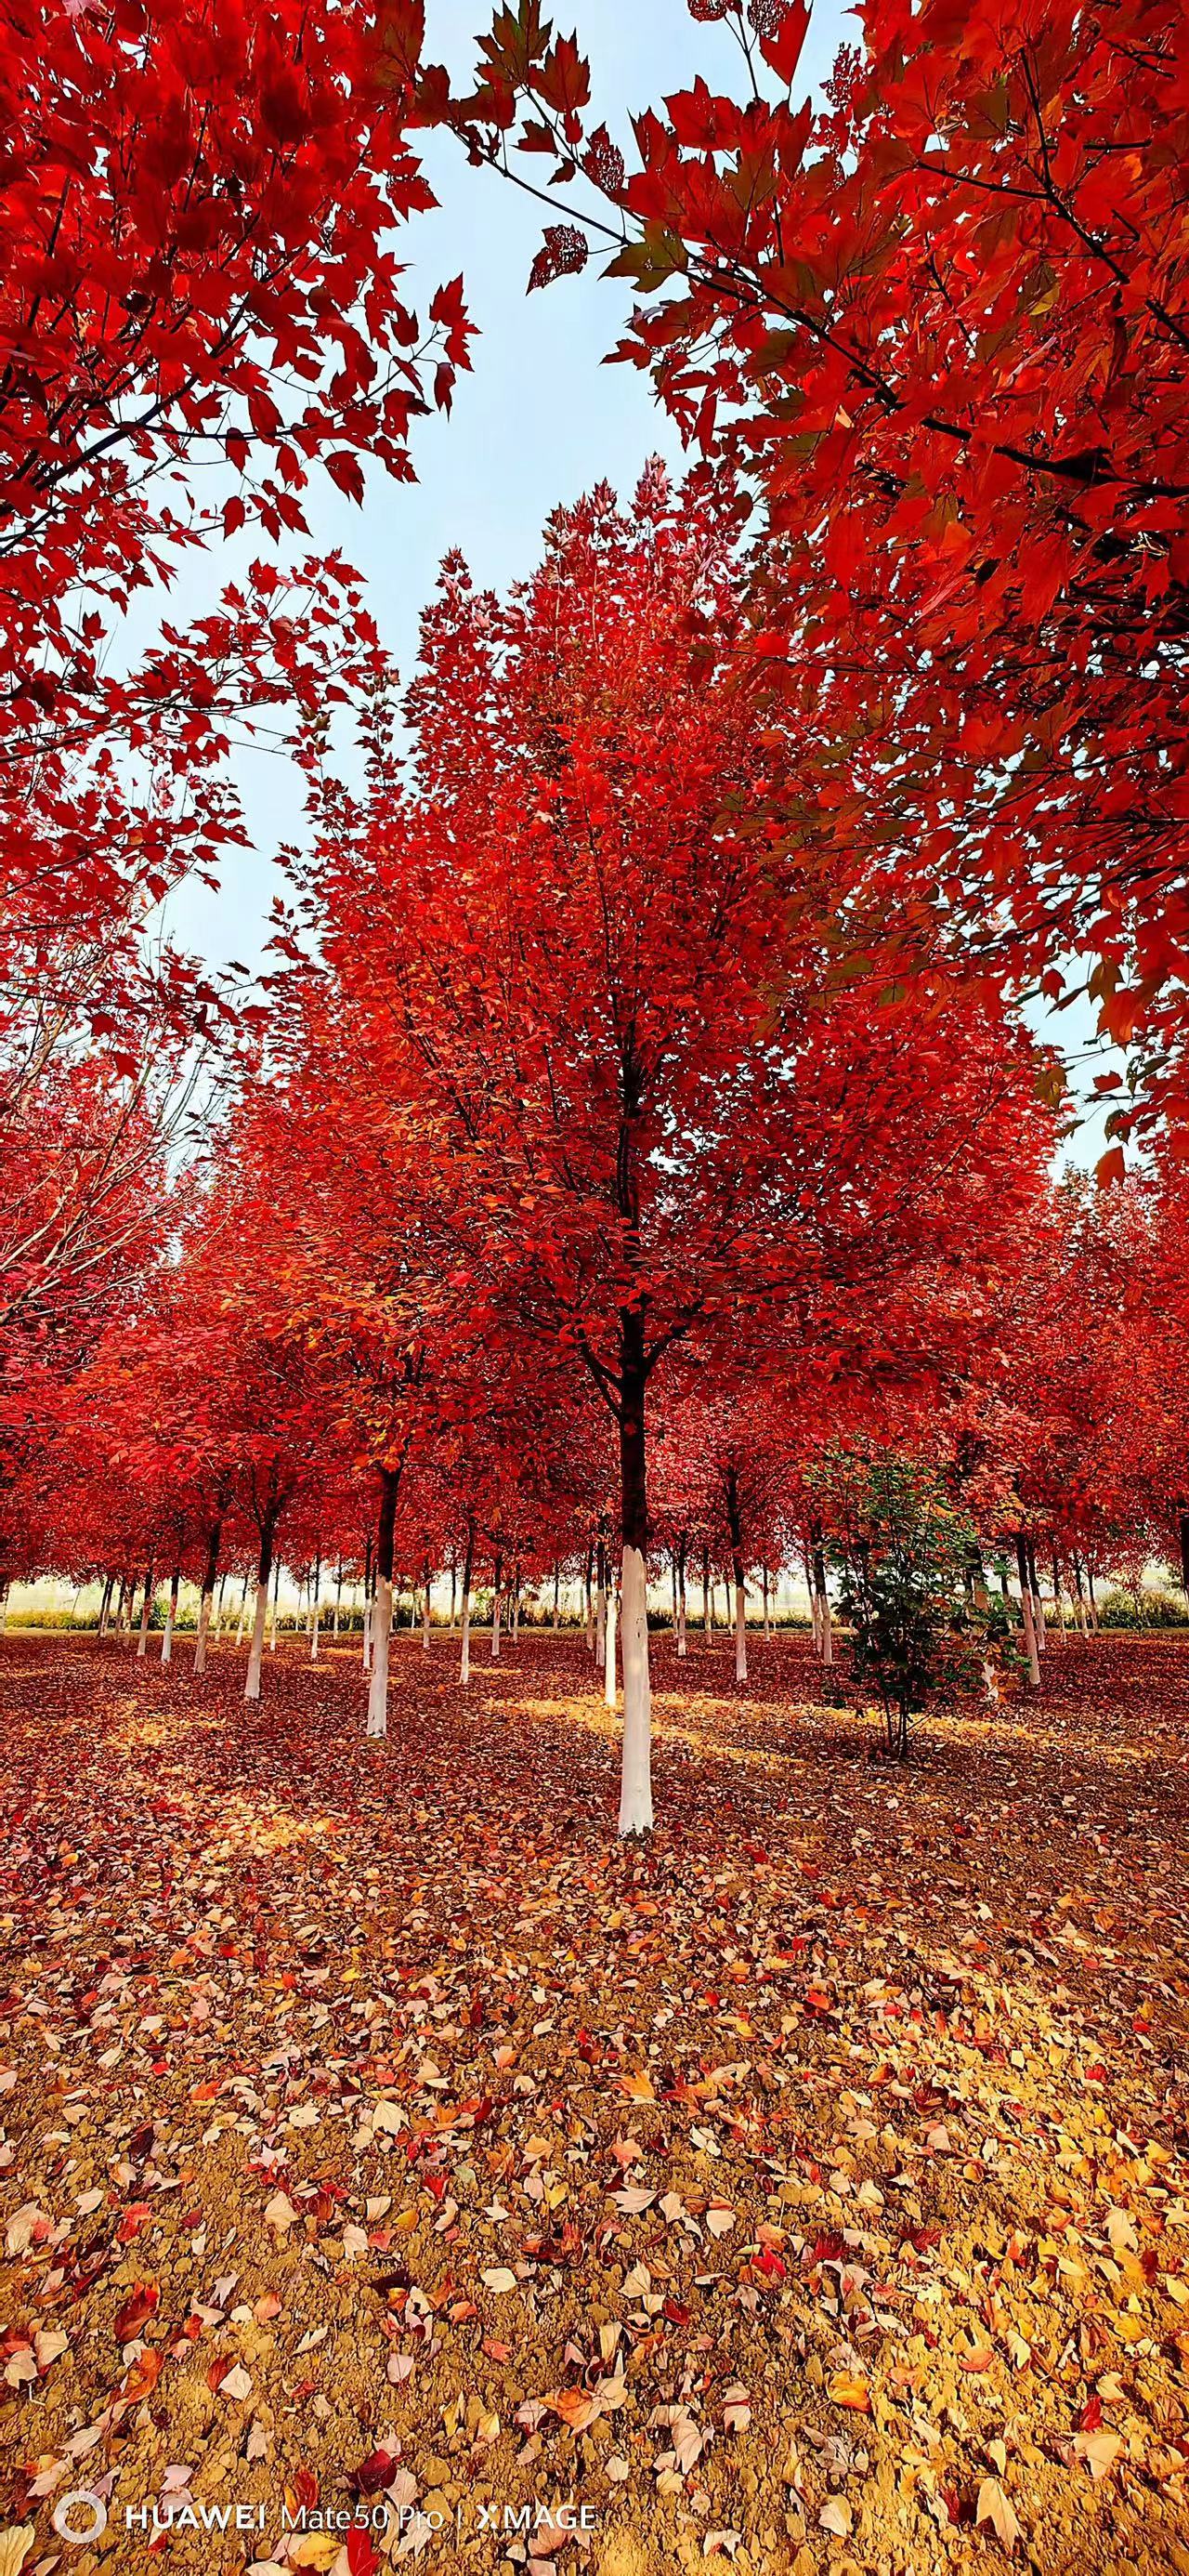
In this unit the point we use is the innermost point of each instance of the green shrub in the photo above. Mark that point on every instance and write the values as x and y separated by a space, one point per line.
900 1547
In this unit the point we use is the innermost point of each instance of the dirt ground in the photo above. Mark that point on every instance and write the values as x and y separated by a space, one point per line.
806 2189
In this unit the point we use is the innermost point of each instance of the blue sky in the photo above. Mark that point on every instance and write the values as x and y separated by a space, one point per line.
541 418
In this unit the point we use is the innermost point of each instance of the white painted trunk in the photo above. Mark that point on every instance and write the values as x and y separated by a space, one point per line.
635 1795
516 1618
315 1627
1038 1622
205 1608
167 1637
827 1632
610 1689
1030 1640
104 1608
495 1629
377 1698
600 1629
425 1620
740 1633
815 1614
464 1666
256 1649
681 1640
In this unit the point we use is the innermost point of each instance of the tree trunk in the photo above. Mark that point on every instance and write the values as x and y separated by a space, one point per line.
366 1647
1093 1602
453 1595
104 1606
1058 1602
243 1613
5 1589
496 1606
1038 1608
515 1621
767 1623
635 1801
600 1635
209 1571
825 1631
142 1642
338 1601
171 1617
468 1567
381 1627
425 1607
610 1665
263 1574
735 1527
707 1598
556 1596
590 1628
1026 1612
315 1609
276 1610
1183 1543
681 1639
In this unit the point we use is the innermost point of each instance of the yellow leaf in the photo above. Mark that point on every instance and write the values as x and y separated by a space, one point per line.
848 2391
996 2508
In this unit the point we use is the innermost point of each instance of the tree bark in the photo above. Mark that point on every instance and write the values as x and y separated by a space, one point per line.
209 1571
825 1630
377 1701
468 1567
600 1635
735 1528
263 1575
1026 1611
142 1642
707 1598
635 1801
425 1608
171 1617
681 1639
496 1605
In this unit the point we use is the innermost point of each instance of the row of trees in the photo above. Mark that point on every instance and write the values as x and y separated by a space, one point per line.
588 1192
